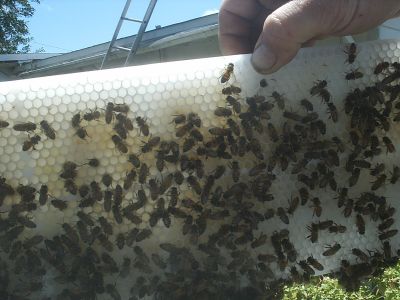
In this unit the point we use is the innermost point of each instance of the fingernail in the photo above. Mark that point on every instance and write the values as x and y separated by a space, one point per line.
263 59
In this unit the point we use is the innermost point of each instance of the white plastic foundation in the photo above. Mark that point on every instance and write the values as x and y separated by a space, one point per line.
159 91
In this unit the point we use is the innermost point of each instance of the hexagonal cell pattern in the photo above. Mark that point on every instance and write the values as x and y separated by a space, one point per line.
163 132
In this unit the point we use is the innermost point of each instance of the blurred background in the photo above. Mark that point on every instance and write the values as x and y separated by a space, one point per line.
73 36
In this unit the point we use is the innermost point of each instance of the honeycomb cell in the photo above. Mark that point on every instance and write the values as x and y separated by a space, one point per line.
60 92
122 93
113 94
44 178
144 106
21 96
145 217
57 100
116 84
50 93
5 134
9 149
27 104
79 89
104 95
10 98
149 98
88 88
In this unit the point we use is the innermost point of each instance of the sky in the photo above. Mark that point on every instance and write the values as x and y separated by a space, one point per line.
65 25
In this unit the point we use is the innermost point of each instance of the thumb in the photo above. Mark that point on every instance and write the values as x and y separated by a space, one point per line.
288 28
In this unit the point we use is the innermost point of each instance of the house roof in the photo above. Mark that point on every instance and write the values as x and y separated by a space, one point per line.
25 57
159 38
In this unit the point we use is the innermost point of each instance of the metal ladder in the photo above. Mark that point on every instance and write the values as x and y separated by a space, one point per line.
131 51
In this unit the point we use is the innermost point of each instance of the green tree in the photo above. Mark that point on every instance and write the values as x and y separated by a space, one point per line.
14 33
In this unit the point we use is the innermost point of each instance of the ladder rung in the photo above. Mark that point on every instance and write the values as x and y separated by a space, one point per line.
132 20
121 48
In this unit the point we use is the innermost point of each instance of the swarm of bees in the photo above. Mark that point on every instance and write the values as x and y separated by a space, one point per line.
214 186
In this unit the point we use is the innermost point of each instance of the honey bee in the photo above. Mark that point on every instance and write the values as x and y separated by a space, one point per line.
85 218
353 75
143 173
360 254
109 115
227 73
121 108
92 115
117 214
120 129
196 134
188 144
319 86
263 83
237 108
194 120
308 106
348 209
231 90
93 162
351 53
194 184
381 67
293 204
48 130
222 112
69 170
395 175
235 171
143 126
76 120
96 193
118 195
43 194
143 234
279 99
106 179
317 207
387 234
129 179
4 124
379 182
81 133
119 143
218 131
105 226
151 143
389 145
386 224
332 250
234 127
59 204
29 126
355 174
31 143
333 113
306 268
336 228
281 213
360 224
71 187
134 160
178 119
315 263
108 195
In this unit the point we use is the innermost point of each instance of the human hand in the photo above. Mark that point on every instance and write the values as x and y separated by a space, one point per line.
275 30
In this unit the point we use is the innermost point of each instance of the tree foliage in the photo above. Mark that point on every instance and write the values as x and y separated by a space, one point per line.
14 33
